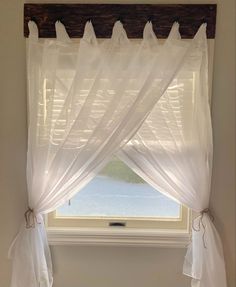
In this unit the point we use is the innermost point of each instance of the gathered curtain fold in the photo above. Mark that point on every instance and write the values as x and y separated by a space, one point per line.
89 100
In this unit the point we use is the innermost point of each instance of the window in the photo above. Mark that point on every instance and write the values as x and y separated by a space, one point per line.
120 197
118 192
119 200
118 207
109 221
118 203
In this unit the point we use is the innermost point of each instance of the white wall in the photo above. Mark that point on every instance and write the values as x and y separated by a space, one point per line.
110 266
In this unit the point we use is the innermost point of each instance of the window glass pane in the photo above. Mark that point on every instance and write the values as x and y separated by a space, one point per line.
119 192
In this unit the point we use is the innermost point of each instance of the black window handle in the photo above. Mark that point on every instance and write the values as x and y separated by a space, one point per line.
117 224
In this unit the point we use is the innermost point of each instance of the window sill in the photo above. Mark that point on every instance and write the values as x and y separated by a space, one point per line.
118 237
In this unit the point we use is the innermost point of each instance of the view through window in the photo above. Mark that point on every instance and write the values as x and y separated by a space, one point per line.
117 191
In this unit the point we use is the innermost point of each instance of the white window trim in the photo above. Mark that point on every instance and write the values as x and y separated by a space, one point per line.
120 236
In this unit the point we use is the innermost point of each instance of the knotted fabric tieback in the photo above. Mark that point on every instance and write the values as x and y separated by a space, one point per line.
30 218
201 223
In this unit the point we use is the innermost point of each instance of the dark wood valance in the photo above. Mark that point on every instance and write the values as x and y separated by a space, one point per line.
133 17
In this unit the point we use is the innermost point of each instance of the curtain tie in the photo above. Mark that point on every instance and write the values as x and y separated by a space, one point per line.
201 223
30 218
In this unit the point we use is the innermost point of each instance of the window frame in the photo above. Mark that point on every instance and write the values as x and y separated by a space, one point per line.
158 232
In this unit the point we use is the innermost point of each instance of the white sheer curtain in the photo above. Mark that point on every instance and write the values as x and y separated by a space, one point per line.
86 102
172 151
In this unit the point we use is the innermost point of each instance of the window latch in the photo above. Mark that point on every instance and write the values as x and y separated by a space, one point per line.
117 224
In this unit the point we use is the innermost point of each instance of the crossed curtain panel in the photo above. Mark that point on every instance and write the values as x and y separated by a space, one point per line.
145 101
